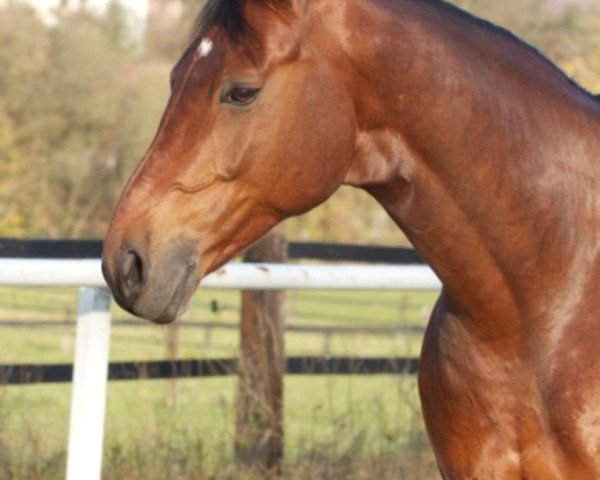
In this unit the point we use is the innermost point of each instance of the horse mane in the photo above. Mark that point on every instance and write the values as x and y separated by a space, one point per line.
229 15
453 9
226 14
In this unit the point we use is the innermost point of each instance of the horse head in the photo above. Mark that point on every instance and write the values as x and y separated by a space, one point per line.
258 127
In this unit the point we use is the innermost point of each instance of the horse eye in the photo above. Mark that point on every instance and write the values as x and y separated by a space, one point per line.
239 95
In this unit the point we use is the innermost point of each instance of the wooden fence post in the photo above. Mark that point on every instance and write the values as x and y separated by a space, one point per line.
259 422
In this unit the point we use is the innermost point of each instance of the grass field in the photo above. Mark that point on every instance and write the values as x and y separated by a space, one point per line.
351 427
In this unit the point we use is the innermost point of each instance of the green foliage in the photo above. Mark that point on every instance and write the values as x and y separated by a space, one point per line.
78 109
10 220
115 27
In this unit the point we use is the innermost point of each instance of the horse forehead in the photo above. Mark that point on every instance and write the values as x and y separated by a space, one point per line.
200 62
205 47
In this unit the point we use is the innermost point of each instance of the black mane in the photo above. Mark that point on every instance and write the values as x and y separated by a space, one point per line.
229 15
486 24
226 14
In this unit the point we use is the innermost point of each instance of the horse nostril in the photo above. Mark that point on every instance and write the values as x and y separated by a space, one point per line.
132 273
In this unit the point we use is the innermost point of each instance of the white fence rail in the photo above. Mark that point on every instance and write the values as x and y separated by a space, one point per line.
86 431
235 276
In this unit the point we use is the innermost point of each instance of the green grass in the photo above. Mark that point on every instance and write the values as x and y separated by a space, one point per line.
147 341
345 422
336 427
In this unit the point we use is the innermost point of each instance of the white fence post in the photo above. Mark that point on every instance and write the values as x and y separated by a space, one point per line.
90 372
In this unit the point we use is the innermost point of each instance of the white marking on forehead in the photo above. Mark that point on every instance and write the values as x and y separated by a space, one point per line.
205 47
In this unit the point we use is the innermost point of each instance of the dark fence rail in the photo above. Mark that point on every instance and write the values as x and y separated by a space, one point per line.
63 373
354 253
71 249
57 249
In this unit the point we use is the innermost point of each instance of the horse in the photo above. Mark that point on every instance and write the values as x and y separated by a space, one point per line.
484 153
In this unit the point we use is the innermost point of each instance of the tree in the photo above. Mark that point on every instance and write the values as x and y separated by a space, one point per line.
11 221
23 57
74 102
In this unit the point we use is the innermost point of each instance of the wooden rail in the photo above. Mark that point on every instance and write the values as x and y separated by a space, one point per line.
71 249
262 362
29 374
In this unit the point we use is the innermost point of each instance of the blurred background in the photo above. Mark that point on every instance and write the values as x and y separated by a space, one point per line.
82 87
83 84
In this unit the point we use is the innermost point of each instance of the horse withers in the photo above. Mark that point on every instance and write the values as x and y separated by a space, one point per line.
482 151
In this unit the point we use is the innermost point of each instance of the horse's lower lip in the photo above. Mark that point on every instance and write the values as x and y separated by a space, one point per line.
171 311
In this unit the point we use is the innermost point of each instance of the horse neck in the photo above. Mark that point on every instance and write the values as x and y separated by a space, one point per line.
482 152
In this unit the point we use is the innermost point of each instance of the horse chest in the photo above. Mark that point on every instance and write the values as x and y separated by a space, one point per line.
493 418
468 405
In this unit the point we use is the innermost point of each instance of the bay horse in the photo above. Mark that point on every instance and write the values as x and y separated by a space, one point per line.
481 150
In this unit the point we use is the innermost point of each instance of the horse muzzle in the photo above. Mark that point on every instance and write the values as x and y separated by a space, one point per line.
156 287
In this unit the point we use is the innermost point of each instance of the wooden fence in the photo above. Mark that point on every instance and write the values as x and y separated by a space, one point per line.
262 362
